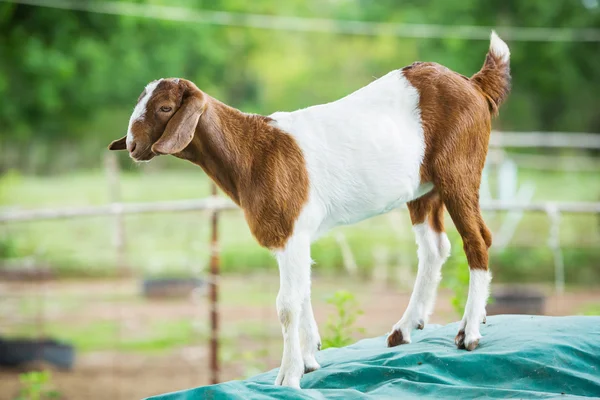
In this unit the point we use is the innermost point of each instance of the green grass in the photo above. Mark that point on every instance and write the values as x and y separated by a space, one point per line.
591 309
178 243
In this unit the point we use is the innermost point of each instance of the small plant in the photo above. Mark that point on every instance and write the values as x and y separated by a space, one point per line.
591 309
340 327
36 386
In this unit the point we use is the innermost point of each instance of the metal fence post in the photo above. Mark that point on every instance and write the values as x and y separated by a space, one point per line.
214 312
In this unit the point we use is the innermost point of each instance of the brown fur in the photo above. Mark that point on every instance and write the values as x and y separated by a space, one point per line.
456 112
260 167
494 81
430 207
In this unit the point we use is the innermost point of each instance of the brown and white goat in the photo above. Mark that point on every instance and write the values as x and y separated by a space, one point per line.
418 135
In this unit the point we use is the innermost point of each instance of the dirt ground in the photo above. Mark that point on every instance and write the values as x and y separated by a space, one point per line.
251 334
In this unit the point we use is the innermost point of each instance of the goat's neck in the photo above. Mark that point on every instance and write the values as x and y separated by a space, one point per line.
225 145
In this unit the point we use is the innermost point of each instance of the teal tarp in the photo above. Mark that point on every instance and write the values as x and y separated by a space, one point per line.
518 357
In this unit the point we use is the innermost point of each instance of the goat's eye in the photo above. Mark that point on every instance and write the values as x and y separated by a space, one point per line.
165 109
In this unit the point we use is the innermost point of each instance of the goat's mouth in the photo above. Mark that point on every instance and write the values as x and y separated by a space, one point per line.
142 155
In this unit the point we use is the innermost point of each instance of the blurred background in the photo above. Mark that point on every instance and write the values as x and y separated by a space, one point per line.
115 302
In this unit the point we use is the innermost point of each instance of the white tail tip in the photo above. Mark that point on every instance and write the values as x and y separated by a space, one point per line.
498 47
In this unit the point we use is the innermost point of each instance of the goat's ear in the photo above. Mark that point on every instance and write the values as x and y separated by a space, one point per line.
119 144
181 127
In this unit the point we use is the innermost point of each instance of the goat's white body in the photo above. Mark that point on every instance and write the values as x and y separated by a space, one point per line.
363 153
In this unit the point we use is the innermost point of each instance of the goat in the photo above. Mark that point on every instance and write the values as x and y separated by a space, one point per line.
418 135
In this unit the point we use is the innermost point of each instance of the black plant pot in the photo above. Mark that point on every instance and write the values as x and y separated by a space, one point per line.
170 287
20 352
26 274
517 300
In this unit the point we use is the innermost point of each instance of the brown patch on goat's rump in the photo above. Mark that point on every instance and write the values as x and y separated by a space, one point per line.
260 167
456 118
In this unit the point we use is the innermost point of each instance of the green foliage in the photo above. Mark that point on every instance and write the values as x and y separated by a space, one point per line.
72 77
8 181
8 247
37 386
340 326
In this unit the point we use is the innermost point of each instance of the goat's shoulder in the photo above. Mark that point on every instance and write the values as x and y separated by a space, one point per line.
278 185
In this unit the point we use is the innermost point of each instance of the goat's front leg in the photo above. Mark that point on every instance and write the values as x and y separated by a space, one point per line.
294 270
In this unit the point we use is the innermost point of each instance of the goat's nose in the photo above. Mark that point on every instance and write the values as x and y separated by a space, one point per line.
131 146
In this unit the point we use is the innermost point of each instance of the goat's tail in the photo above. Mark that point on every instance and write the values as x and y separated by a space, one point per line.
494 77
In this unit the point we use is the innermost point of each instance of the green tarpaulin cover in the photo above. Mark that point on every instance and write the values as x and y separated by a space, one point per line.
518 357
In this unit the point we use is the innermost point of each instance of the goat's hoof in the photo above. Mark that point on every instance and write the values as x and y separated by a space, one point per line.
319 346
484 320
466 342
290 372
311 367
284 380
472 345
421 324
310 363
459 340
396 338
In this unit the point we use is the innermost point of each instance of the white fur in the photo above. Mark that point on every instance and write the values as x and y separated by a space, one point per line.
498 47
479 291
140 110
363 155
294 280
433 251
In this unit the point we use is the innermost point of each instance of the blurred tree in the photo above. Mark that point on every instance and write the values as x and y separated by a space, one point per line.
71 75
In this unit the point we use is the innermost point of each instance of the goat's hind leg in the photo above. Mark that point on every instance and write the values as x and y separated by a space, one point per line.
427 216
463 207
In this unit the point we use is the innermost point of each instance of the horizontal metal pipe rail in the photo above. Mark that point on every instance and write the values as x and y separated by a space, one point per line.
223 204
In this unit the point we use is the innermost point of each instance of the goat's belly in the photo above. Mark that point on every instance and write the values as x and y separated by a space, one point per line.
343 212
355 194
366 173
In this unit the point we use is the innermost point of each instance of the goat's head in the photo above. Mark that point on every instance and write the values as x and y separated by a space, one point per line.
164 119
